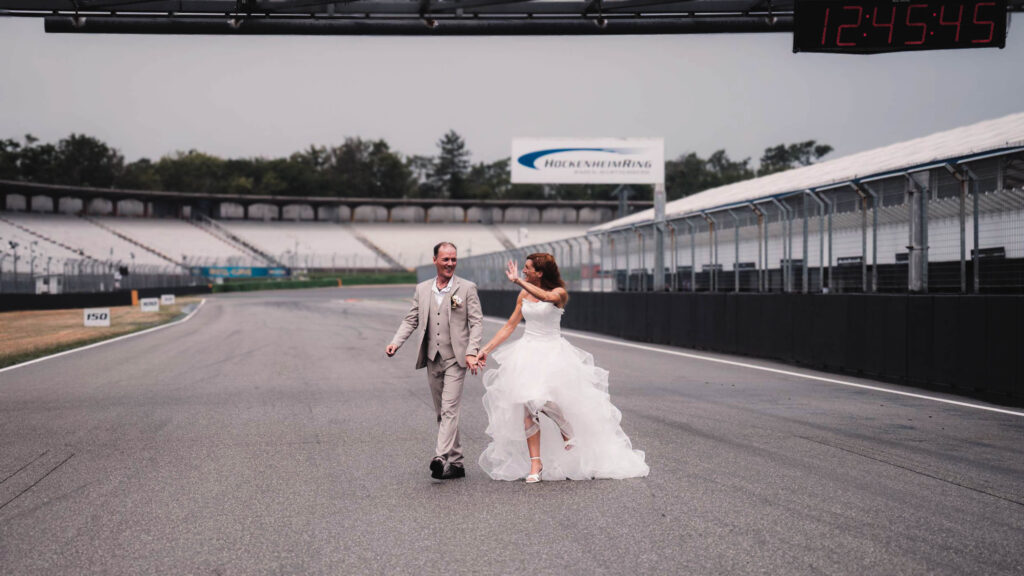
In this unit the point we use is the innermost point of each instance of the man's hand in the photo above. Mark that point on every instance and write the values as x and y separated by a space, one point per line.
390 350
473 364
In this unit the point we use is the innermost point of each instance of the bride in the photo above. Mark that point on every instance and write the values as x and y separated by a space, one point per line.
542 373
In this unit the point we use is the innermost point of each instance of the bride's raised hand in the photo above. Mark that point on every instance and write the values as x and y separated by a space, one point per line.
512 271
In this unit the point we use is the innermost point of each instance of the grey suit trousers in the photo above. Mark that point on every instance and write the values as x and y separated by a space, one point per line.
446 378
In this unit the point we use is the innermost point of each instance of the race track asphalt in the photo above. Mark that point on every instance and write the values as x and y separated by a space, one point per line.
270 435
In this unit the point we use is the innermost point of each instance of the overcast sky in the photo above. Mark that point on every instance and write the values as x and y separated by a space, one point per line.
270 96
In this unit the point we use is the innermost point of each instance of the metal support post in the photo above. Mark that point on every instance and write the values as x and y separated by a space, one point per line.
615 259
862 188
675 257
712 252
760 239
693 257
641 281
629 269
917 258
593 268
659 237
787 260
821 245
736 252
968 181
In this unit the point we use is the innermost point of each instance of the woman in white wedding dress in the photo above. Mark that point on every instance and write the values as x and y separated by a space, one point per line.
542 373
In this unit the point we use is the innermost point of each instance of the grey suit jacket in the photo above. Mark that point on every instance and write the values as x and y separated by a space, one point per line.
465 320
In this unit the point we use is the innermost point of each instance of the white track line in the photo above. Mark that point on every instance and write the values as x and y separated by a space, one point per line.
140 333
777 371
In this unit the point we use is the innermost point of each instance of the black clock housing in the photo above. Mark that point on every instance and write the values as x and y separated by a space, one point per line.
873 26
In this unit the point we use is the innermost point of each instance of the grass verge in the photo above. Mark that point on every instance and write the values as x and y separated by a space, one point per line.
31 334
318 282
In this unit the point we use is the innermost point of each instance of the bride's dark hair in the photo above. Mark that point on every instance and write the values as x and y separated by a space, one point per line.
545 264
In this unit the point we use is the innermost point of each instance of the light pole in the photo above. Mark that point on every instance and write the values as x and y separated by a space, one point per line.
3 256
14 248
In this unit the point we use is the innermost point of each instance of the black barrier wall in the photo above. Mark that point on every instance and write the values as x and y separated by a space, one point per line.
968 345
9 302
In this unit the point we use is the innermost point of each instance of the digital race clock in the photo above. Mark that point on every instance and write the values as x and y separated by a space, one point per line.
871 26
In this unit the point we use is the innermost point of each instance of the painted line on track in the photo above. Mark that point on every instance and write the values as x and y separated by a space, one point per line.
94 345
574 334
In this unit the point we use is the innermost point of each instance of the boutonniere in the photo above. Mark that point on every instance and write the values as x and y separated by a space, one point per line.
456 301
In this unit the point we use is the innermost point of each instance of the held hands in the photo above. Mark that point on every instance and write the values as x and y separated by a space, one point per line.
475 363
512 271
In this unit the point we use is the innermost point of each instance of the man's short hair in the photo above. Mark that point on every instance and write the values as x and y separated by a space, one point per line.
442 244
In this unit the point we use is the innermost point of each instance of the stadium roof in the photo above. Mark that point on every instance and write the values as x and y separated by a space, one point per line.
959 144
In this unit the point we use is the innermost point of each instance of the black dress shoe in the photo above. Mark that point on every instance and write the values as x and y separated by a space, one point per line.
437 468
454 471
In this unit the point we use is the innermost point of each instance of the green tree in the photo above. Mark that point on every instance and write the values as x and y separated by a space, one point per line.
420 168
38 162
191 171
391 177
690 173
86 161
139 175
489 180
784 157
10 153
451 167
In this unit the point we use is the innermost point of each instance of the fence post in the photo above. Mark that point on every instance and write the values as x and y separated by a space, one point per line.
736 252
917 258
787 261
760 239
693 257
821 245
675 257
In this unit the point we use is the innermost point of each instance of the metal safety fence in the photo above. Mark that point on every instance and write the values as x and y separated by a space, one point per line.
950 228
87 275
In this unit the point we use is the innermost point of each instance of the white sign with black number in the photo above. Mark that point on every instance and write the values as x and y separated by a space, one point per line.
167 299
97 317
150 304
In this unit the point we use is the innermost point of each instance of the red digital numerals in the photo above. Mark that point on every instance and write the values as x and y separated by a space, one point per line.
874 24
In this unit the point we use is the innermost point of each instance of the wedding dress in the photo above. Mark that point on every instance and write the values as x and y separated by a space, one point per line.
542 368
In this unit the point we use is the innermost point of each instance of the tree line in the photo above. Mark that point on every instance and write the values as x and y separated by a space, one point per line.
357 168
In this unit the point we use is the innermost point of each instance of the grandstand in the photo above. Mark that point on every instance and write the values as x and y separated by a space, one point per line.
179 241
941 213
67 237
306 244
62 243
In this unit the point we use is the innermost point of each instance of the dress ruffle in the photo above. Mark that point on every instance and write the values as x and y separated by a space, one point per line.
544 367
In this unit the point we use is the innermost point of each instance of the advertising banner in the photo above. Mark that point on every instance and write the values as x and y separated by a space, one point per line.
588 161
150 304
239 272
167 299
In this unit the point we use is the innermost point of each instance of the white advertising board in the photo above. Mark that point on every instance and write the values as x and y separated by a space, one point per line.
97 317
588 161
167 299
150 304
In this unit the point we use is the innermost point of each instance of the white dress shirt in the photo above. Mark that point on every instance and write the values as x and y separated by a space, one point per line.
439 293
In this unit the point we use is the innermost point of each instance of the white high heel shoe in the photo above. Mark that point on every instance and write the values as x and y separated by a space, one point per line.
534 478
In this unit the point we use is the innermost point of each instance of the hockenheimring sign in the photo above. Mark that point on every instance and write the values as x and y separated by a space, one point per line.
588 161
598 161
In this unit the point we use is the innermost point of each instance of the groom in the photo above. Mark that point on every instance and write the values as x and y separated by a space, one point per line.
449 310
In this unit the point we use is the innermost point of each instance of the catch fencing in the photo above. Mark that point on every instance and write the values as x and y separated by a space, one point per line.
86 275
951 228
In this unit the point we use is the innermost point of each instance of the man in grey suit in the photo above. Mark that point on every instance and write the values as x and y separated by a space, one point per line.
448 309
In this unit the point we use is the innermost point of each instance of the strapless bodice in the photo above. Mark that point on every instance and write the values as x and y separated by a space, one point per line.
543 319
